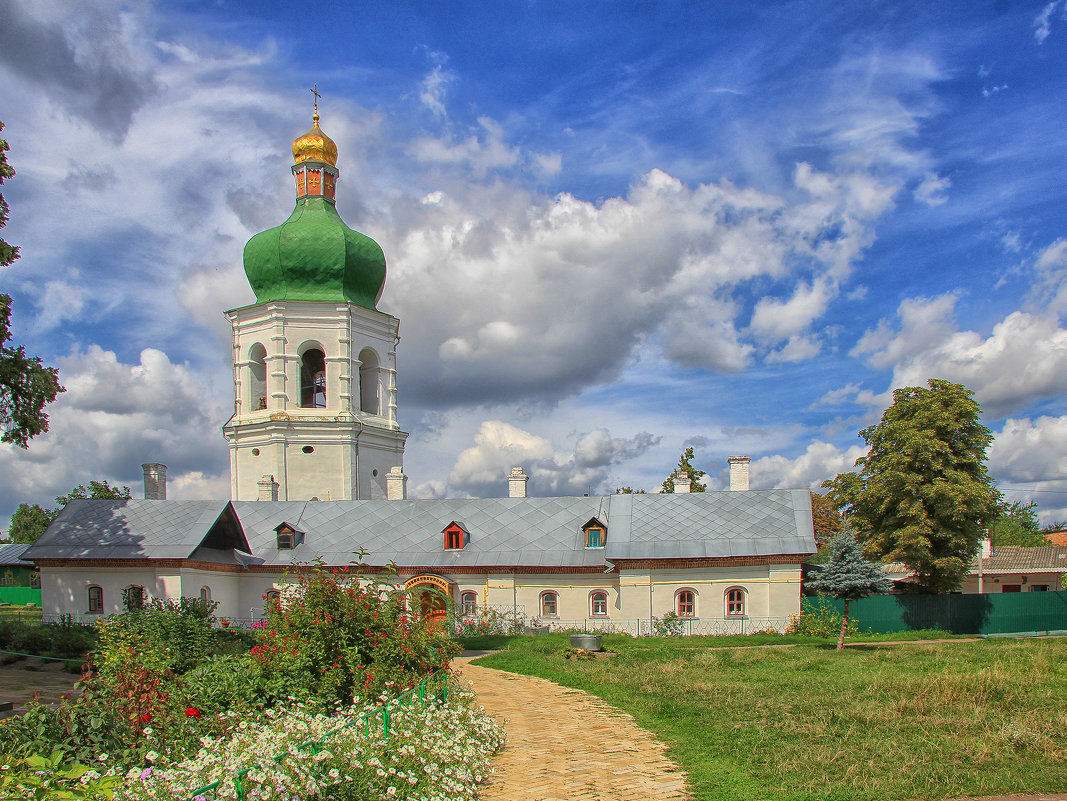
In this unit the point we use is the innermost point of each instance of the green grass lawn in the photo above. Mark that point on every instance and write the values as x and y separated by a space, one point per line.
877 722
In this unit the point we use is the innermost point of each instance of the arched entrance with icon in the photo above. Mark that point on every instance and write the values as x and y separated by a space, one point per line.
427 596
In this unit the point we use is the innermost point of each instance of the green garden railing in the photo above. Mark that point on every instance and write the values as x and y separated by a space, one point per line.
416 694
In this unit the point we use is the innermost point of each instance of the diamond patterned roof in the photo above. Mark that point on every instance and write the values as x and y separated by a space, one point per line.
127 529
534 532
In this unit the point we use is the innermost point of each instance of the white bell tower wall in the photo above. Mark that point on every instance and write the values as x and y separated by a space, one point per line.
314 400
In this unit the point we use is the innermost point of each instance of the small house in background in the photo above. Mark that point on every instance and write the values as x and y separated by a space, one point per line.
1014 568
20 580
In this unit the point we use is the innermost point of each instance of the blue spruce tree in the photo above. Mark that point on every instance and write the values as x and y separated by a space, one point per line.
848 576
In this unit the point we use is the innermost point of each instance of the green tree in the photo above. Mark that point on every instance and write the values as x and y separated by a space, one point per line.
685 467
826 519
628 490
29 522
848 576
922 493
26 385
1017 524
98 490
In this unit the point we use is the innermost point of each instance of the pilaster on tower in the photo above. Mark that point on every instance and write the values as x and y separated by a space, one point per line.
314 359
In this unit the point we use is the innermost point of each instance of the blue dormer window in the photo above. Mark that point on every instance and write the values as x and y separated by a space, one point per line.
596 533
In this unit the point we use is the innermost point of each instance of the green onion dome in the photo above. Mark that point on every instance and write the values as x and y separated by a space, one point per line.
313 255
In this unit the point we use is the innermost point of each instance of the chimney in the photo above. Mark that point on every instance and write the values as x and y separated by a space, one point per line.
155 482
517 483
682 484
738 472
987 547
396 484
268 489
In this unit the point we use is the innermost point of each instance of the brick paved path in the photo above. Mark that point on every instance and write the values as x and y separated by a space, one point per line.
566 745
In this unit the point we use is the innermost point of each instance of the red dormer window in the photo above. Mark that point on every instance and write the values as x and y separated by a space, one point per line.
455 536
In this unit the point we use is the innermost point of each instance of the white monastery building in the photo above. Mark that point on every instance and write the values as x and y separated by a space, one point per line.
316 464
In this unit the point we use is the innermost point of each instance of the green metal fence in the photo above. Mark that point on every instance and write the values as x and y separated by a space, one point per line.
379 716
20 596
997 613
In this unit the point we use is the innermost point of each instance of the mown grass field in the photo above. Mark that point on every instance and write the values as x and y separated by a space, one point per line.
873 722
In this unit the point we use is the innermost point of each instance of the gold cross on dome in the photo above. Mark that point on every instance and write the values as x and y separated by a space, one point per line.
315 91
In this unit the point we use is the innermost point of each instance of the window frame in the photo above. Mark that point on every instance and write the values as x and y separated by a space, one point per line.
603 536
593 602
468 602
127 594
728 603
99 610
455 538
679 603
545 595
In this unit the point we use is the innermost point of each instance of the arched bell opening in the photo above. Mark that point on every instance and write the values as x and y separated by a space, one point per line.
370 393
313 379
257 377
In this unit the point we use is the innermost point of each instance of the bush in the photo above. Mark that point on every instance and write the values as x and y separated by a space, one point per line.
166 636
670 625
823 622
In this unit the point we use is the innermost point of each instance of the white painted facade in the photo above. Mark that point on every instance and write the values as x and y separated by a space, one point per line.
634 597
342 444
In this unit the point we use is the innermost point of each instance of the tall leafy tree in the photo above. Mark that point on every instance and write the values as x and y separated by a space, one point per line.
848 576
30 520
1017 524
26 385
826 519
685 467
922 495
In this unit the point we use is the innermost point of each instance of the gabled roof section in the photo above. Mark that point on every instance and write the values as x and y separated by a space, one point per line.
288 528
12 554
710 525
456 524
592 522
139 529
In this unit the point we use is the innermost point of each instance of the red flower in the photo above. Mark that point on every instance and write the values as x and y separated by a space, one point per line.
145 717
192 712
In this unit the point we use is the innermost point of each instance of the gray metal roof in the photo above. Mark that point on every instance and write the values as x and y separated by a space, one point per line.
127 529
529 532
12 554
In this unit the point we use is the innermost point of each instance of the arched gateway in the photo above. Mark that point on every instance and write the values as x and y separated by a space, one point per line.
428 594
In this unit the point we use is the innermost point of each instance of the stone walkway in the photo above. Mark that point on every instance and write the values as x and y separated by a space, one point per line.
566 745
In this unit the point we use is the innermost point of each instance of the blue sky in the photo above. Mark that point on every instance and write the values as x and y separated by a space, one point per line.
613 229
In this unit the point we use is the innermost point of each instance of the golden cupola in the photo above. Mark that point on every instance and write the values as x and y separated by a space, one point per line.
315 146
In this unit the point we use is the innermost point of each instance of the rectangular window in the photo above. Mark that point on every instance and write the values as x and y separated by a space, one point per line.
548 604
454 539
595 538
1039 588
600 603
96 599
735 603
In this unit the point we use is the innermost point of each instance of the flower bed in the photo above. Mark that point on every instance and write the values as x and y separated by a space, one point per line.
168 708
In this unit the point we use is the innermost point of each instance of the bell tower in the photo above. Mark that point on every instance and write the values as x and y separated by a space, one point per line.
314 360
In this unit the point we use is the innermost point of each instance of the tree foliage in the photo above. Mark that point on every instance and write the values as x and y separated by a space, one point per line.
628 490
922 493
685 468
848 576
97 490
30 520
826 519
1017 524
26 385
